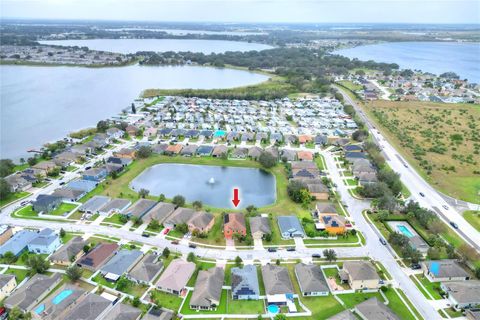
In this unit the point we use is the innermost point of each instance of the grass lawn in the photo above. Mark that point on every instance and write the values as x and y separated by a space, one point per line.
68 236
398 306
62 209
166 300
244 306
351 182
473 217
200 266
352 299
101 281
133 289
350 85
453 313
432 287
26 212
322 307
86 273
222 308
116 218
13 197
20 274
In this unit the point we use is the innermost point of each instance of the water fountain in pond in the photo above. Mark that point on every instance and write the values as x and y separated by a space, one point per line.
211 181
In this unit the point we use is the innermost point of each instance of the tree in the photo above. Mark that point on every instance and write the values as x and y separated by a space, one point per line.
9 257
5 190
102 126
197 205
267 160
74 273
178 200
433 253
467 252
330 255
143 193
166 252
161 197
182 228
144 152
477 272
191 257
280 316
154 224
86 248
136 302
62 233
268 237
238 261
37 264
6 167
15 314
436 226
122 284
277 262
294 190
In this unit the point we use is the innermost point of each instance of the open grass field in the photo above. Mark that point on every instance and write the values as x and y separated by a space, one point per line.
350 85
441 140
473 217
13 197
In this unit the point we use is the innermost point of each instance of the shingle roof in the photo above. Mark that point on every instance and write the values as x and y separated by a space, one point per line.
361 270
123 311
140 208
276 280
446 269
160 211
464 291
5 278
176 275
122 261
90 308
245 281
146 269
373 309
68 250
344 315
18 242
260 224
98 255
208 287
180 215
95 203
310 278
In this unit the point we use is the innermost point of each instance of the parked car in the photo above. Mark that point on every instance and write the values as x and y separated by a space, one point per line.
62 183
316 255
174 242
192 245
88 168
445 207
272 249
382 241
454 225
145 235
291 249
166 231
415 266
422 194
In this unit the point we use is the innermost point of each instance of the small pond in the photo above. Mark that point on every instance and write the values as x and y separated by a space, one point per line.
213 185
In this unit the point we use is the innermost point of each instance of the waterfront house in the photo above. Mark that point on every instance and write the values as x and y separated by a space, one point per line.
140 208
146 270
360 275
373 309
46 242
219 151
159 212
8 283
46 203
239 153
204 150
234 223
174 279
259 227
311 280
290 227
17 183
98 256
255 152
32 292
189 150
444 270
179 216
173 149
46 166
114 206
278 285
119 161
69 252
288 155
95 174
132 130
114 133
122 261
208 289
84 185
201 222
462 294
244 283
93 205
125 153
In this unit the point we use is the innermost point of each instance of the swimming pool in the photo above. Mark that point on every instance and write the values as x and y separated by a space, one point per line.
40 309
405 231
219 133
61 296
273 309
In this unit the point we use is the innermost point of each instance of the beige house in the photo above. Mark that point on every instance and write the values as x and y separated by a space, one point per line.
69 252
5 233
7 285
360 275
175 277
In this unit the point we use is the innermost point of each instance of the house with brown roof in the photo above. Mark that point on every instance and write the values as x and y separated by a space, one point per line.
219 151
201 222
234 223
304 138
69 252
179 216
159 212
132 130
173 149
125 153
174 279
98 256
259 227
46 166
304 156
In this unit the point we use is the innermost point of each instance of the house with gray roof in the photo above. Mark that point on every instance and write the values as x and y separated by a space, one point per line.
114 206
46 203
444 270
288 155
32 292
344 315
69 194
373 309
46 242
146 270
140 208
123 311
259 227
53 308
255 152
175 277
85 185
311 280
18 243
120 263
201 221
159 212
189 150
360 275
278 286
463 294
208 289
94 204
239 153
180 215
156 313
8 283
290 227
69 252
244 283
93 307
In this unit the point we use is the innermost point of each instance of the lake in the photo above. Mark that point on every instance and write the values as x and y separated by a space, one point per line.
434 57
182 32
256 187
160 45
43 104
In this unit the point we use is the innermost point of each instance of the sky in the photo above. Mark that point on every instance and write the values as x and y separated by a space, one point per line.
287 11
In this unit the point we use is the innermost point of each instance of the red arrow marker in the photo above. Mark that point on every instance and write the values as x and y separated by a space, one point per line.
235 200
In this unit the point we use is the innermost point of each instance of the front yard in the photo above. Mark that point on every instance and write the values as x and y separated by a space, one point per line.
63 209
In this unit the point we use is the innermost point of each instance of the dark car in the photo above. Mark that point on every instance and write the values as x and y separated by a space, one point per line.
88 168
382 241
272 249
291 249
174 242
415 266
62 183
454 225
146 235
193 246
421 193
316 255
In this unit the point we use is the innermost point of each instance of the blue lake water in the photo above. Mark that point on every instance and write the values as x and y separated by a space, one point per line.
160 45
434 57
256 187
42 104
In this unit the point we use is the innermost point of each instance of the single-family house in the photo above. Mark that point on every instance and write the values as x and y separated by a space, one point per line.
150 132
59 303
84 185
173 149
126 153
255 152
114 133
239 153
98 256
69 194
114 206
159 212
290 227
17 183
123 311
46 166
132 130
18 243
146 270
140 208
95 174
219 151
360 275
179 216
94 204
93 307
5 233
311 280
259 227
444 270
304 156
8 283
244 283
189 150
278 285
208 289
122 261
69 252
373 309
46 203
204 150
156 313
462 294
234 223
46 242
288 155
175 277
201 222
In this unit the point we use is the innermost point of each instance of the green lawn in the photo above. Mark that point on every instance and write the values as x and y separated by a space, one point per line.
244 306
101 281
397 305
13 197
63 208
322 307
116 218
350 85
352 299
20 274
26 212
351 182
165 300
222 308
473 217
452 313
432 287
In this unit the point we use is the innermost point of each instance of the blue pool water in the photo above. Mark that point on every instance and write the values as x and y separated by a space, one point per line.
219 133
61 296
40 309
273 309
405 231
